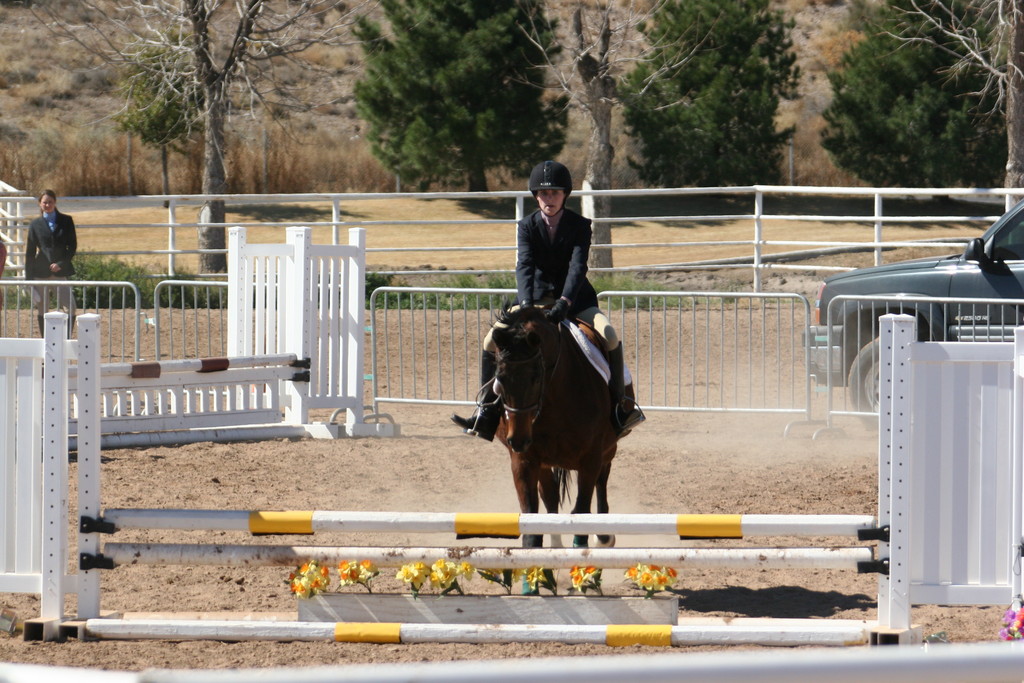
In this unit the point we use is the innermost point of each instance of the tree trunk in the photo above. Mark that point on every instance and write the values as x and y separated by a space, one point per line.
1015 101
599 94
166 179
128 153
214 183
600 153
477 180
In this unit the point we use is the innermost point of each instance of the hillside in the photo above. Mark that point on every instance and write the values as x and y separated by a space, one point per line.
54 94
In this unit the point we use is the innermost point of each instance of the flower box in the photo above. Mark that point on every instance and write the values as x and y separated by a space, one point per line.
489 609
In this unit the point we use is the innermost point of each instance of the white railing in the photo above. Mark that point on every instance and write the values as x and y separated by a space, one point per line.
766 245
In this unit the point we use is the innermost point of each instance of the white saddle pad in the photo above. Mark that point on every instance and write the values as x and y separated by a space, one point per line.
594 354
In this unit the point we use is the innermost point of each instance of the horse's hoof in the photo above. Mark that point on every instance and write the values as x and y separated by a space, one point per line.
606 541
580 542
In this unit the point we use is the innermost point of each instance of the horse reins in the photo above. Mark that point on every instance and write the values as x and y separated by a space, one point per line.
536 407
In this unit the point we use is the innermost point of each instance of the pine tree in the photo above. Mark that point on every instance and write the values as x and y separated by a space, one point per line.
455 88
711 120
901 115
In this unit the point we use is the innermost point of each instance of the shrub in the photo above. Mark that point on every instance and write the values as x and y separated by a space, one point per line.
94 267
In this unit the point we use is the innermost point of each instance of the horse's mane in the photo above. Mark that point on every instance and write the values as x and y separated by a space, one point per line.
511 316
511 333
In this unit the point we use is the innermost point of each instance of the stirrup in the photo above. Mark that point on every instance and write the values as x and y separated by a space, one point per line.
624 423
480 423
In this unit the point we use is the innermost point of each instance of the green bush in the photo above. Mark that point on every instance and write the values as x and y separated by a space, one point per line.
94 267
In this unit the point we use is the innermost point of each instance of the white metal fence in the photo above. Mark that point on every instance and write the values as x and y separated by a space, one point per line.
771 223
689 351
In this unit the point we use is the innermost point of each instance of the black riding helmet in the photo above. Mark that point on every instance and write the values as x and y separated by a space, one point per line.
550 175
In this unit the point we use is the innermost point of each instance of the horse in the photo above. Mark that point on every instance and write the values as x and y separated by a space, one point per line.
556 419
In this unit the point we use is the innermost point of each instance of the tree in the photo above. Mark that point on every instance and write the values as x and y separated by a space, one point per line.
221 53
603 44
711 121
903 114
986 36
451 91
159 116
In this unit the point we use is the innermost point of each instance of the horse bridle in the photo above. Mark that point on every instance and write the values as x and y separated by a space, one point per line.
535 358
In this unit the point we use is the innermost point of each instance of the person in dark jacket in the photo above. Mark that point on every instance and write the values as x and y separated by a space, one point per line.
51 245
553 245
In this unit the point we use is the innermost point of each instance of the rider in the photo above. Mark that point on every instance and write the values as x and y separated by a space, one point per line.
551 272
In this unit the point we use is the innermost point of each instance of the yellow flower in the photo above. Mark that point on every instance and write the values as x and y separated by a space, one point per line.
351 573
586 578
310 579
413 574
651 578
445 573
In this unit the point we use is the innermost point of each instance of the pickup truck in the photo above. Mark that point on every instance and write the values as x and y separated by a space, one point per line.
986 281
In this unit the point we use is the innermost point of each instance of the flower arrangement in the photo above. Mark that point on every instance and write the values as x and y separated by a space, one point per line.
586 578
415 574
506 578
534 577
538 577
444 575
312 578
651 578
352 573
1013 625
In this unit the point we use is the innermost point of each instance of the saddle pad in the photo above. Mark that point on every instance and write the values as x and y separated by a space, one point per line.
593 353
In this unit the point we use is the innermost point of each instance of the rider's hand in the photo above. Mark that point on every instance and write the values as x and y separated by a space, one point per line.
557 313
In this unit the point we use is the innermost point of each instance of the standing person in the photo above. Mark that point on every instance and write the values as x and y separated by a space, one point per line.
52 244
551 271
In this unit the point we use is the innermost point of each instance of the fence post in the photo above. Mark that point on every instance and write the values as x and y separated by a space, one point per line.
896 334
1017 465
758 237
87 391
239 294
297 316
355 325
54 494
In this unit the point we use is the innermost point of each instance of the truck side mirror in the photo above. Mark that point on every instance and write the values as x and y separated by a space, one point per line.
975 251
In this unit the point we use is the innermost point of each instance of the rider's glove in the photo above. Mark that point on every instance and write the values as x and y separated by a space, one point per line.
557 313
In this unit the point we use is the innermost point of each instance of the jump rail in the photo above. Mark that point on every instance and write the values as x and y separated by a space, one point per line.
494 525
122 554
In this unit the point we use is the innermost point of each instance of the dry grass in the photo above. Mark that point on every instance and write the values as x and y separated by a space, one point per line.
51 90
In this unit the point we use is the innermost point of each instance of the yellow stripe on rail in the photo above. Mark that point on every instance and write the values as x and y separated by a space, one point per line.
624 635
709 526
286 522
489 524
367 632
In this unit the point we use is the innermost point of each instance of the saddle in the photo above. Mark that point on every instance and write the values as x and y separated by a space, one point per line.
590 343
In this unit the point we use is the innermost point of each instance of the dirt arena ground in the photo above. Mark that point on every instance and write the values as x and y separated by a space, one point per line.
675 463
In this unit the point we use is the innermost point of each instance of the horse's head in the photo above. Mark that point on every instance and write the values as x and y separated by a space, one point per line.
523 337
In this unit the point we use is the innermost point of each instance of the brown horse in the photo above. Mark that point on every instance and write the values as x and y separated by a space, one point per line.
557 416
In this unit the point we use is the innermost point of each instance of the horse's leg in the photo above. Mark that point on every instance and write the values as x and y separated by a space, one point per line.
550 490
526 477
602 504
585 482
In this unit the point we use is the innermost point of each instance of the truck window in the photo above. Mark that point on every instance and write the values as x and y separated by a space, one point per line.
1008 243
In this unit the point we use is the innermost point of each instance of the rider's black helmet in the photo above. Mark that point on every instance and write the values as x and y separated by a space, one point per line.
550 175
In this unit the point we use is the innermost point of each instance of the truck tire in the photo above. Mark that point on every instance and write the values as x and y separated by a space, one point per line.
862 382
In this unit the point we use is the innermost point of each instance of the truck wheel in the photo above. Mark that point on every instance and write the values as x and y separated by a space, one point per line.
862 385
